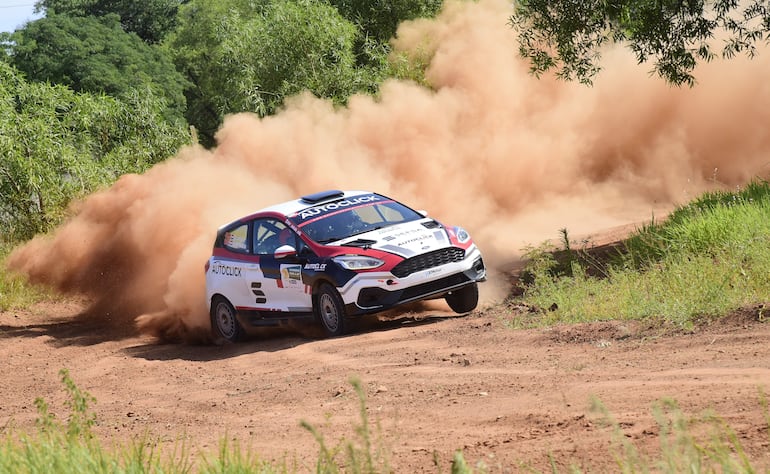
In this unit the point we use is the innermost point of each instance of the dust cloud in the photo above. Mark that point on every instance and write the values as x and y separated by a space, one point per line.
510 157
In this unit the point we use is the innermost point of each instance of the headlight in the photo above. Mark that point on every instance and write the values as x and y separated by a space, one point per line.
358 262
462 235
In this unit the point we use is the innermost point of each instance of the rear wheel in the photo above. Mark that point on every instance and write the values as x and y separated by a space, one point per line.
330 310
464 300
224 321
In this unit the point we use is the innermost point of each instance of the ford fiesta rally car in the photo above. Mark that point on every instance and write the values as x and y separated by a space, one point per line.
334 255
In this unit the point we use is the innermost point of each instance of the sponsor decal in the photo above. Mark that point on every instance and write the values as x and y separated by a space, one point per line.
292 226
317 267
291 276
295 273
394 235
333 206
413 240
220 268
433 271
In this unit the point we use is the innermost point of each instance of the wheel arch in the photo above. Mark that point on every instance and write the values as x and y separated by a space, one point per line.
214 296
321 281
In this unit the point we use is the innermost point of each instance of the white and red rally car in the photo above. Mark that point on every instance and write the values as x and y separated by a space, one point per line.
334 255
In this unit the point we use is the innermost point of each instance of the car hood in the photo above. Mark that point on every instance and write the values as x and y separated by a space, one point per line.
406 240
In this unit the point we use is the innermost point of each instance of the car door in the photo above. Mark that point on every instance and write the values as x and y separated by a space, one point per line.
280 279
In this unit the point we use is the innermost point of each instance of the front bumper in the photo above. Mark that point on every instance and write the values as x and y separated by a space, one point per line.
372 292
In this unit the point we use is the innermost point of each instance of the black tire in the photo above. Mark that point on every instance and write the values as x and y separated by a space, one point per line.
463 300
224 320
330 310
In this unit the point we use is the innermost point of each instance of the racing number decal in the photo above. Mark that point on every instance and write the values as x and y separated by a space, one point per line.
255 288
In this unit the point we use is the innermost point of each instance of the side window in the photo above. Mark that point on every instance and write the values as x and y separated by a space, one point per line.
236 240
269 234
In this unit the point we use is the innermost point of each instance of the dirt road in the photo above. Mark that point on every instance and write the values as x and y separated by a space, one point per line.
509 398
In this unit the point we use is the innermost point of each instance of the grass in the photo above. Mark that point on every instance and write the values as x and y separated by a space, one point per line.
71 447
364 454
704 443
709 258
15 292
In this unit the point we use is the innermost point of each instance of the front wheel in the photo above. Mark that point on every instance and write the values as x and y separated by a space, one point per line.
224 321
330 310
464 300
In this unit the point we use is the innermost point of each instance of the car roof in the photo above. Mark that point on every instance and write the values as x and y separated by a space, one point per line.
290 208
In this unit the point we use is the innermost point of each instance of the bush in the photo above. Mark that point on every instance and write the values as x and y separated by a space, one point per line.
57 145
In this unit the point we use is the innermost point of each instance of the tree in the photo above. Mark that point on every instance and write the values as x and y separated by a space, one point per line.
57 145
379 19
567 35
90 54
377 22
151 20
248 56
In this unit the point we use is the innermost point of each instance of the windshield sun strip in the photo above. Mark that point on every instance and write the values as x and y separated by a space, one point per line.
334 213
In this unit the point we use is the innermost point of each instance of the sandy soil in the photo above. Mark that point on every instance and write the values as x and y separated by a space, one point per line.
434 384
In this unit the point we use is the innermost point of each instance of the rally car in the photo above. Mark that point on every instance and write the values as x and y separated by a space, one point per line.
334 255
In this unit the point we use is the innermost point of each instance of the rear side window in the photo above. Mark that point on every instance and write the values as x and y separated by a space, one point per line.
237 239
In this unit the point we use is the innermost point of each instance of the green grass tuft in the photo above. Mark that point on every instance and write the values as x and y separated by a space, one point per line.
704 443
15 292
362 455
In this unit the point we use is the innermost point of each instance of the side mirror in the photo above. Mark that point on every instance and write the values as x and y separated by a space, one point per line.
423 212
284 251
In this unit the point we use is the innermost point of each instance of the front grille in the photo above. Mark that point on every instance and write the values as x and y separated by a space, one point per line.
428 260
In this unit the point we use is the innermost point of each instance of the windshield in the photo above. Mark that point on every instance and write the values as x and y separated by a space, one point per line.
351 221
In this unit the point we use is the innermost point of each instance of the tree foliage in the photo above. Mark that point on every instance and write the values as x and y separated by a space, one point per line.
567 36
377 22
249 56
57 144
93 54
228 56
151 20
379 19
